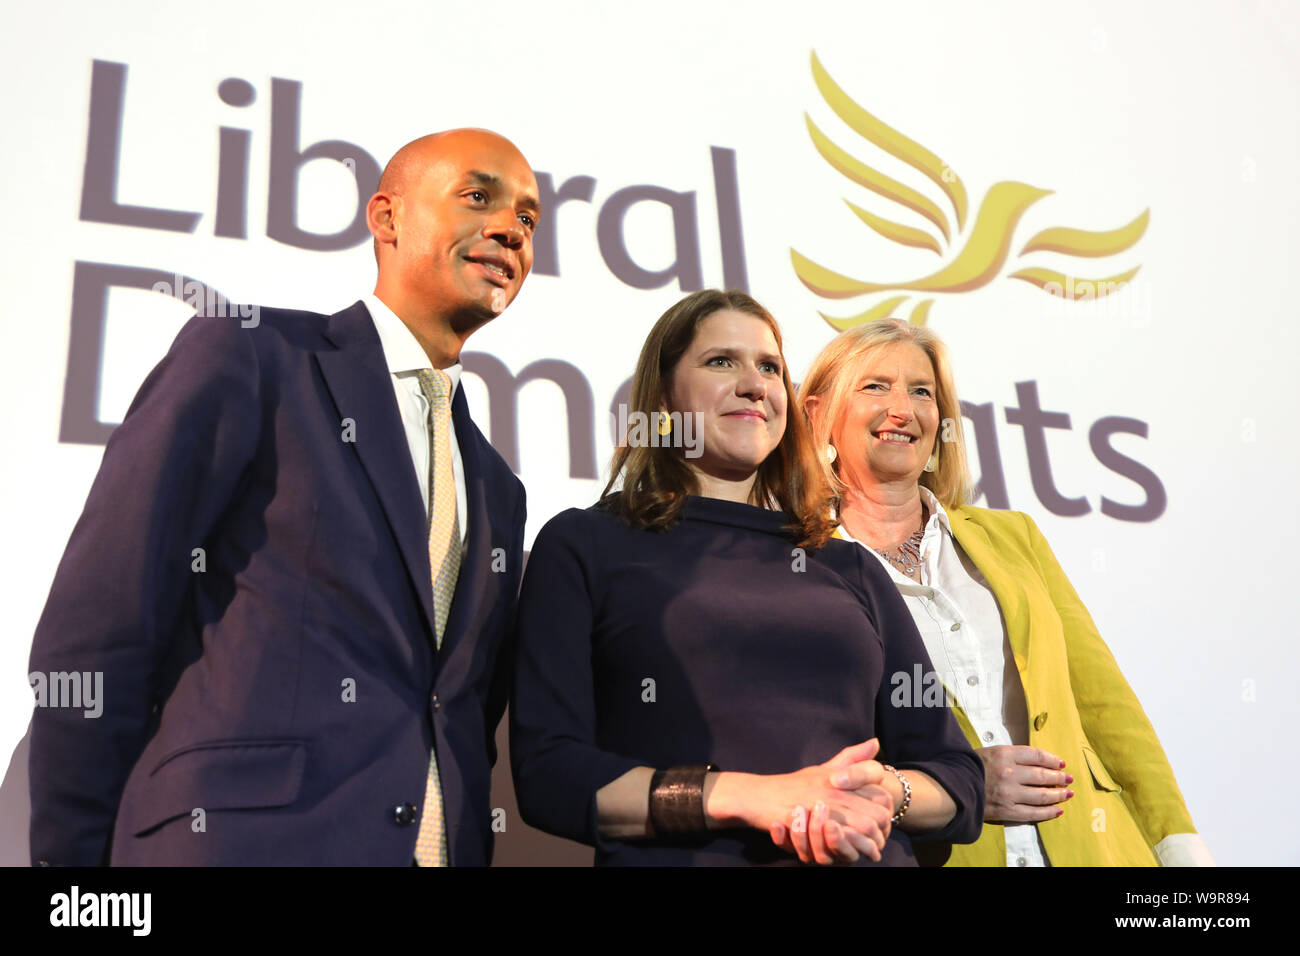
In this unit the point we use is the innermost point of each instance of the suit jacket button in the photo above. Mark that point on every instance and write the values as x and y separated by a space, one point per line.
404 814
435 702
1040 720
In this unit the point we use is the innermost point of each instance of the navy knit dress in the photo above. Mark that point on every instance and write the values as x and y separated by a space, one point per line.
718 641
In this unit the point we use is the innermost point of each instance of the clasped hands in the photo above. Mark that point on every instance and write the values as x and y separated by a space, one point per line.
834 812
850 817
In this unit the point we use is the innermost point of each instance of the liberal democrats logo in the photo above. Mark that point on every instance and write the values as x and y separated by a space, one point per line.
971 258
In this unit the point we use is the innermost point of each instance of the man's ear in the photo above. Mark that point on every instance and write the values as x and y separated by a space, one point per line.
380 217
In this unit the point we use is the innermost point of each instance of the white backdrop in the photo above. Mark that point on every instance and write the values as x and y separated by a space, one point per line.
1188 111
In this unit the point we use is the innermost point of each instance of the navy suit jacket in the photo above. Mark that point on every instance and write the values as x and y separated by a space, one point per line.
251 577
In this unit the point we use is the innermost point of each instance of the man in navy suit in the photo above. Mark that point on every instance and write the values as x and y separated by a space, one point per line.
252 577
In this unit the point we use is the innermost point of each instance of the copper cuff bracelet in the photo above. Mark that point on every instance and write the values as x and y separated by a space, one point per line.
677 800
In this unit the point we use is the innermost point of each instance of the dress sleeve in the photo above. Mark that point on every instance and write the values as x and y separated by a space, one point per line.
557 766
927 737
1113 720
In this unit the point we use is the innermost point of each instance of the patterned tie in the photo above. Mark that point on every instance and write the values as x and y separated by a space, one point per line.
444 559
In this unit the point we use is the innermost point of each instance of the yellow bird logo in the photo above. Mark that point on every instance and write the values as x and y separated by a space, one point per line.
987 245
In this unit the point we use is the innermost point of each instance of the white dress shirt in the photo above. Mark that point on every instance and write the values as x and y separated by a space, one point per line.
965 635
405 358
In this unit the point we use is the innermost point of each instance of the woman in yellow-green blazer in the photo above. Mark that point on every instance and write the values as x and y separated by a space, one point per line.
1074 773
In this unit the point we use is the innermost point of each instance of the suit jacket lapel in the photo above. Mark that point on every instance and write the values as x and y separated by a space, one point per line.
357 376
997 570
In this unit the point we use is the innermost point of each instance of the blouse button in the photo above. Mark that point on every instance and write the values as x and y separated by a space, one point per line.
988 736
956 626
972 680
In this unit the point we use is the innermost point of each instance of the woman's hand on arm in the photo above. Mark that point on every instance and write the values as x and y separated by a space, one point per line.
1023 784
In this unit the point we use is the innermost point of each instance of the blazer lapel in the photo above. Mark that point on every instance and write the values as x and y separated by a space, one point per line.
357 376
996 570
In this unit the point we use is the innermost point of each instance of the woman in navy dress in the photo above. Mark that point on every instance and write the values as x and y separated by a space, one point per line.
705 676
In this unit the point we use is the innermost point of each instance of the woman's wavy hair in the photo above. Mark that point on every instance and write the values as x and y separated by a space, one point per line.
835 372
653 482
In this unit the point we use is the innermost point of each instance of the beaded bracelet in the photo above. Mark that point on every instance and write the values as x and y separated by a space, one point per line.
907 793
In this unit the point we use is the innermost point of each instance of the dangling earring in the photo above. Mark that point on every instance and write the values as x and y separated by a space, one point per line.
831 454
665 423
933 464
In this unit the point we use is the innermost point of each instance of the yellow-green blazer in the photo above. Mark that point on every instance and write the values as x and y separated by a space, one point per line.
1080 708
